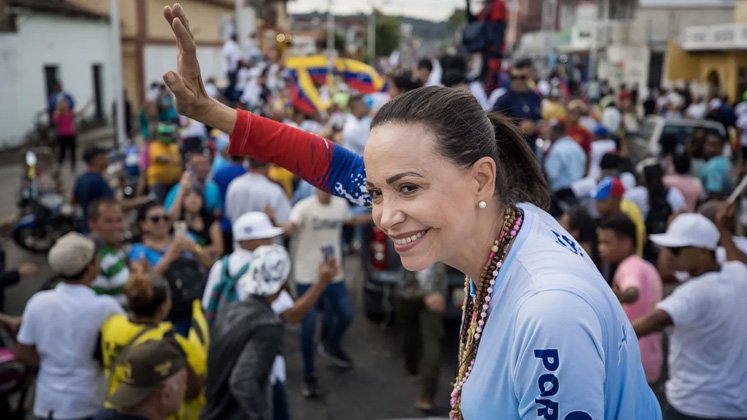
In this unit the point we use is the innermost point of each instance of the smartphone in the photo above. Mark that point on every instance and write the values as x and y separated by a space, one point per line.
328 253
737 191
180 228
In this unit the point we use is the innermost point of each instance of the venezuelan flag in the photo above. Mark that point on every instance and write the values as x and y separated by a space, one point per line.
304 95
359 76
316 65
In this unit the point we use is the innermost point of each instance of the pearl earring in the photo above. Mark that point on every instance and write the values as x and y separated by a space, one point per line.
482 204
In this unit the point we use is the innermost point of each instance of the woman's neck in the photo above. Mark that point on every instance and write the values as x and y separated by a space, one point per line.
475 254
150 320
155 241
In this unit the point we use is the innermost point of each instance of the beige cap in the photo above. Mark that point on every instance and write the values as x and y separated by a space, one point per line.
71 254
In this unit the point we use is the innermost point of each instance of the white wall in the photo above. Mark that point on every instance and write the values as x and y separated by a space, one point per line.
625 64
161 58
73 44
658 25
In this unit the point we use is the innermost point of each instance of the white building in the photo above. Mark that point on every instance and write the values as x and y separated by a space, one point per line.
625 41
47 41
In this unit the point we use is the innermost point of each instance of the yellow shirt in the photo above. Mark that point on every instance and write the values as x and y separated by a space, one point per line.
163 173
553 110
631 210
118 330
283 177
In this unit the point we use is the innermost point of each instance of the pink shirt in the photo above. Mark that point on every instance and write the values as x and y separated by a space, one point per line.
64 123
690 187
634 271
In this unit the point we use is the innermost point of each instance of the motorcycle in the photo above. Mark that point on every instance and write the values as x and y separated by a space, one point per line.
123 170
45 215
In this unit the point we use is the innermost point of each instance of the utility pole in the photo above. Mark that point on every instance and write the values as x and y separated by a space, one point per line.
372 35
116 40
330 29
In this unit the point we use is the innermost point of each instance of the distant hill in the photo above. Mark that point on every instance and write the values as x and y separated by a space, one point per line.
421 28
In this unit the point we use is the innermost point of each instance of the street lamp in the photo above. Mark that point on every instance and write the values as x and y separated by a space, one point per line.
372 30
117 73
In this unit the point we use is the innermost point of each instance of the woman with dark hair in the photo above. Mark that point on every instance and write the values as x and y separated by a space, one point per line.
189 208
402 82
583 228
542 333
159 247
149 300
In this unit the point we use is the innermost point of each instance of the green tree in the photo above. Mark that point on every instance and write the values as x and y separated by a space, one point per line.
458 20
387 33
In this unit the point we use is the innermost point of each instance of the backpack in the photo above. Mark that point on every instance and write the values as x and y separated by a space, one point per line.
224 291
186 279
475 36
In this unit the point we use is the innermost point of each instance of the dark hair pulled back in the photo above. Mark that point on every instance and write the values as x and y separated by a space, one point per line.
465 133
146 293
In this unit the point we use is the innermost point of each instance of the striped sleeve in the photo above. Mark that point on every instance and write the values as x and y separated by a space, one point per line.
317 160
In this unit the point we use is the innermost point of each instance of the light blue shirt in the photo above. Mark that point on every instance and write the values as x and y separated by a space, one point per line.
211 196
716 175
557 344
565 164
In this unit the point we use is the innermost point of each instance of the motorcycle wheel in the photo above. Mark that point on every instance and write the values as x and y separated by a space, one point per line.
38 239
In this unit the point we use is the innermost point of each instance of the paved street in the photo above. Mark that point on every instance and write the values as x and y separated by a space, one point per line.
376 388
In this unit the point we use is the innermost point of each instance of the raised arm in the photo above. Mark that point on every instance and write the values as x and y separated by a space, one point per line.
319 161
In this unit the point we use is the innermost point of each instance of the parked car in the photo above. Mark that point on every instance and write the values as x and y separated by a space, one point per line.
658 135
383 274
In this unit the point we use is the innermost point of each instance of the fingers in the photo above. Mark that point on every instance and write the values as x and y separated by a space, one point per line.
176 84
183 37
178 12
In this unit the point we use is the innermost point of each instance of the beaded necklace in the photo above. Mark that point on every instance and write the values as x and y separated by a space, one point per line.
476 308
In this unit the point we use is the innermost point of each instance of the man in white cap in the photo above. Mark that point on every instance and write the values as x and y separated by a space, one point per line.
59 332
250 231
709 319
246 337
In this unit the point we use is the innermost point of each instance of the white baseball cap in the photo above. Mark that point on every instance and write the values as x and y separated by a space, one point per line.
689 229
254 225
269 268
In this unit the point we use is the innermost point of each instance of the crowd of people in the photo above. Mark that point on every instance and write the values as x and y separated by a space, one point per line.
172 302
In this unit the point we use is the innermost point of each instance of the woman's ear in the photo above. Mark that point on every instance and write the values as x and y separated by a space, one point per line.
483 172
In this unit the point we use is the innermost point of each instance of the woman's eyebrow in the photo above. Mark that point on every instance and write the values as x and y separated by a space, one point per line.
395 178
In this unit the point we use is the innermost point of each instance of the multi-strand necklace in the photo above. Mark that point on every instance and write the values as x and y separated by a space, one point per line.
476 308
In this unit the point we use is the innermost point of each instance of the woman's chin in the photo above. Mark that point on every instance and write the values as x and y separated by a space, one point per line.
416 263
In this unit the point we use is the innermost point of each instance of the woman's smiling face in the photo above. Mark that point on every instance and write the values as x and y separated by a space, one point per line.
422 200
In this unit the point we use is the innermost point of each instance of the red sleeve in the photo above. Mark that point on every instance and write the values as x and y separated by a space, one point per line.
306 155
498 11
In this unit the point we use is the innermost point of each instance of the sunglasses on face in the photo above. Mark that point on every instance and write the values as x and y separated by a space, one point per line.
677 250
157 219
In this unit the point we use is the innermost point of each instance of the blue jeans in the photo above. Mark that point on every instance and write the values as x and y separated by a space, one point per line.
338 314
280 402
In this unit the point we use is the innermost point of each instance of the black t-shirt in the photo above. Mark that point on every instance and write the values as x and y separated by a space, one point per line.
111 414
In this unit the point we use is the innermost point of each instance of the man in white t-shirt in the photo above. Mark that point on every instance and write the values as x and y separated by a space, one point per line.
254 191
59 334
231 55
357 125
250 231
315 227
708 317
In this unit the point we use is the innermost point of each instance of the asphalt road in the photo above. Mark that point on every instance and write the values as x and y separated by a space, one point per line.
376 388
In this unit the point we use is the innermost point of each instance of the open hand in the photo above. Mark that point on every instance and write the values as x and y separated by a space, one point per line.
328 270
725 217
435 302
28 269
186 83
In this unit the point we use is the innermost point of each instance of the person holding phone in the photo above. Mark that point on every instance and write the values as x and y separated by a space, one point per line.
315 228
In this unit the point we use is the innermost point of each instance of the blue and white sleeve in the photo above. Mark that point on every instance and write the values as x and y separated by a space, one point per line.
557 359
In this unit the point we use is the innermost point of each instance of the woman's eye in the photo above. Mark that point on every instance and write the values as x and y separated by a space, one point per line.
408 188
375 194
